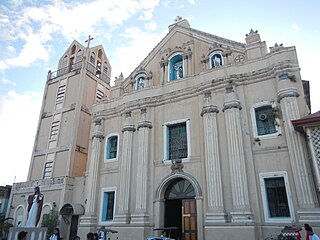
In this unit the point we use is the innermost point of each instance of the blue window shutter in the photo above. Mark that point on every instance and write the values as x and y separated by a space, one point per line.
104 206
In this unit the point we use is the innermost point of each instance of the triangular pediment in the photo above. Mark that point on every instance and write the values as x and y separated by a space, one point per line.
181 39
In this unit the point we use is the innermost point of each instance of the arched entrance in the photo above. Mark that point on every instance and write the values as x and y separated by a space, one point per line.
70 214
180 209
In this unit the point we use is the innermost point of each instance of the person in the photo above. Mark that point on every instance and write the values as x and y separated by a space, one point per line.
163 234
35 203
96 236
90 236
22 235
55 235
305 228
312 235
76 238
102 233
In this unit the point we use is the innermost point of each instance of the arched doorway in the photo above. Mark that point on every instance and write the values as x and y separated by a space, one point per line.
180 209
70 214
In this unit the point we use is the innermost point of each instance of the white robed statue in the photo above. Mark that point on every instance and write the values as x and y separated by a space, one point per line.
35 203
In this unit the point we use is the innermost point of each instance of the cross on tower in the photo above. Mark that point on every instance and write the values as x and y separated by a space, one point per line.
88 40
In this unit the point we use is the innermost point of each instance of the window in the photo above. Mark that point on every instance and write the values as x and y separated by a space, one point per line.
140 81
264 120
112 147
177 140
98 69
54 129
276 197
176 67
61 93
93 58
108 202
99 95
71 64
216 60
48 170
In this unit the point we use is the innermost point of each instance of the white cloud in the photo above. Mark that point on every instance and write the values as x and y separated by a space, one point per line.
294 27
18 121
192 2
6 81
123 60
32 27
151 26
180 7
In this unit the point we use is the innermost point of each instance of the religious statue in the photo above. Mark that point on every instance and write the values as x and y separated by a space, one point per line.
35 202
217 61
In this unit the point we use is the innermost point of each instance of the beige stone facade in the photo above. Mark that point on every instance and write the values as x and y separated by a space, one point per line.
197 137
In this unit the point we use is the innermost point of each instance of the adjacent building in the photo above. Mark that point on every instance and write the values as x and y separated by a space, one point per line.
198 137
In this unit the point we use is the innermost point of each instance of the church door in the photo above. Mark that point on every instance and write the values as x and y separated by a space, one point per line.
180 210
189 219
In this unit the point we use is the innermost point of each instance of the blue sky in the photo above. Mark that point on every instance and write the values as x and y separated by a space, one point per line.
34 35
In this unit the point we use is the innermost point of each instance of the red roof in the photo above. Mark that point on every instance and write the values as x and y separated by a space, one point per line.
307 121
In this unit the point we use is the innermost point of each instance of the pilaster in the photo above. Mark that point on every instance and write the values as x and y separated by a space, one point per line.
88 221
216 211
287 97
240 195
122 215
140 216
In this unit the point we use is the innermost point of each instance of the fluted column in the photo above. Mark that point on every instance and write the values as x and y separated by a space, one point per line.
144 126
239 186
123 215
212 161
89 220
287 97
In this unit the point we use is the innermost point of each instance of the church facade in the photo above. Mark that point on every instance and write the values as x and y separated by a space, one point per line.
198 138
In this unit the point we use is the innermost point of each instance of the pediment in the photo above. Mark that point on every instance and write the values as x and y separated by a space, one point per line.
188 42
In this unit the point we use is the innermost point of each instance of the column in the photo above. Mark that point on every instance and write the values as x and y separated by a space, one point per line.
89 220
164 70
144 127
216 211
123 215
239 186
304 186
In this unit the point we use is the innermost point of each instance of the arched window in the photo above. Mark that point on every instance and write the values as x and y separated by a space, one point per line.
100 54
216 60
176 67
140 82
93 58
180 188
112 147
73 49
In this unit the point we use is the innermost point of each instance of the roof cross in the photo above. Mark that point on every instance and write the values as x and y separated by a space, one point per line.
88 40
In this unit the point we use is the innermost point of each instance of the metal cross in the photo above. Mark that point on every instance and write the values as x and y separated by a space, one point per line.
88 41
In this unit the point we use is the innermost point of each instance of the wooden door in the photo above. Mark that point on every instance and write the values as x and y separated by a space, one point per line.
189 219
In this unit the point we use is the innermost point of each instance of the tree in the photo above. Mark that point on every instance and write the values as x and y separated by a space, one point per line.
50 221
4 226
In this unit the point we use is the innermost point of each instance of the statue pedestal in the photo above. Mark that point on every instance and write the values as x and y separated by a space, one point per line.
33 233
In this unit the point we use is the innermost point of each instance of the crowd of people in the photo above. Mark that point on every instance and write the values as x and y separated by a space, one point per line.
310 235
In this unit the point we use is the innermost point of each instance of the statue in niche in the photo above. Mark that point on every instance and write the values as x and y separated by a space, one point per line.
178 70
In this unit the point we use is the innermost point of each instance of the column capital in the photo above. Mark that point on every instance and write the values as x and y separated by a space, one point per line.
231 104
98 135
128 127
144 124
289 92
209 109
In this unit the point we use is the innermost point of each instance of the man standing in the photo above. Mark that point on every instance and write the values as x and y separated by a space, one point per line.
35 203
